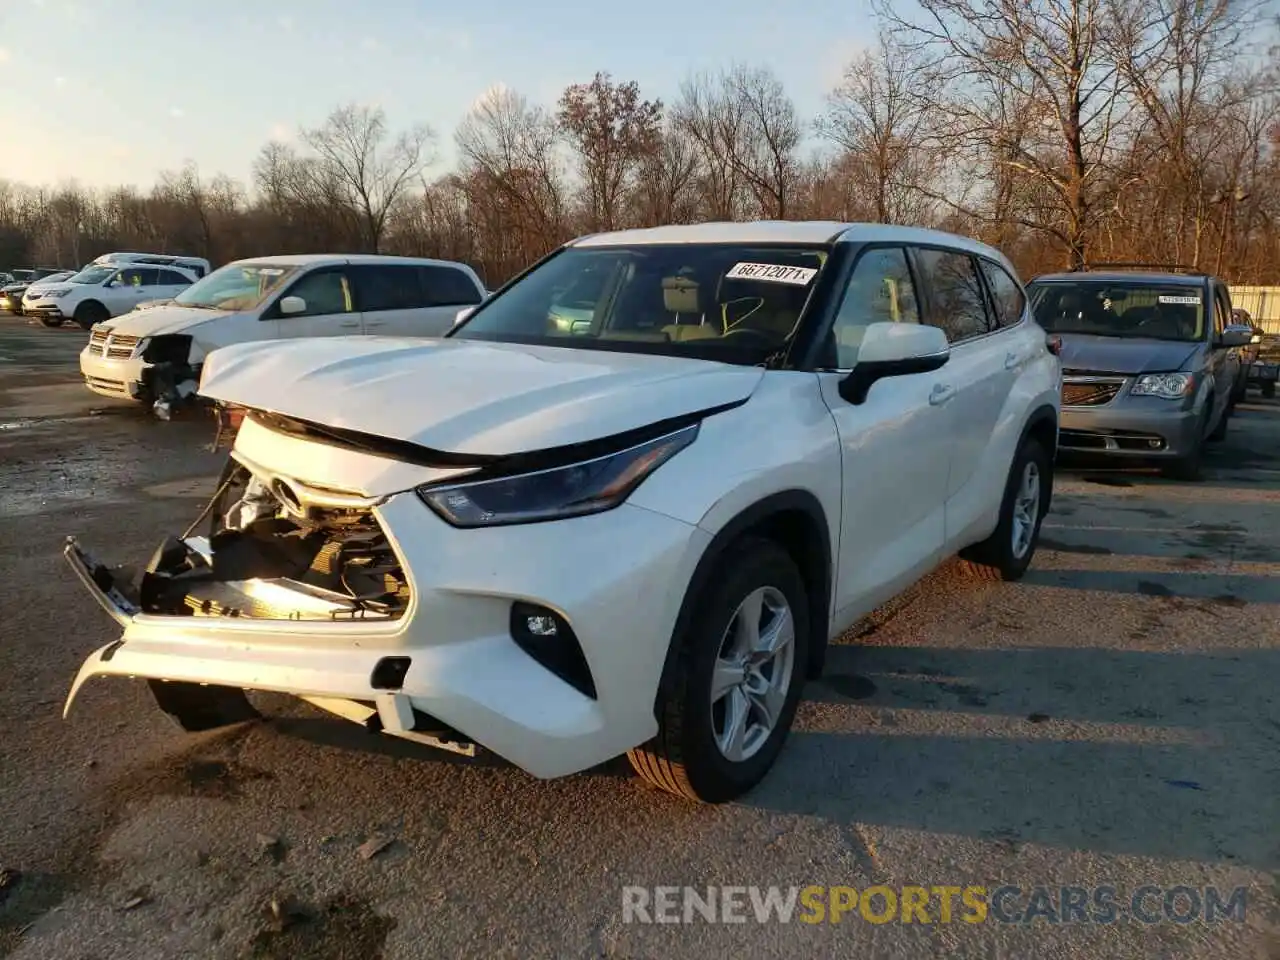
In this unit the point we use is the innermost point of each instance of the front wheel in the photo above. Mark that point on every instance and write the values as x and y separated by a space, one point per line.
91 313
737 685
53 321
1006 554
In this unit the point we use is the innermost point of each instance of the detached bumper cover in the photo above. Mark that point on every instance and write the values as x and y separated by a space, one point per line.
464 667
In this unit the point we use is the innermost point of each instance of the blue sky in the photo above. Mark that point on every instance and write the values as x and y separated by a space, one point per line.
113 91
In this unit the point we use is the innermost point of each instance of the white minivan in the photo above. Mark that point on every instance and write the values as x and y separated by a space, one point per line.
156 354
196 265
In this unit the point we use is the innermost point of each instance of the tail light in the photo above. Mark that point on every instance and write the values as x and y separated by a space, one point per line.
1054 343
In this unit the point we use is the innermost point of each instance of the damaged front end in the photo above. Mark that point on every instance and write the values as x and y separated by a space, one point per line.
274 552
172 376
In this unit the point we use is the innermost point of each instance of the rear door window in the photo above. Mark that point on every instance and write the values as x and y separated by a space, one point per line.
958 304
382 287
448 287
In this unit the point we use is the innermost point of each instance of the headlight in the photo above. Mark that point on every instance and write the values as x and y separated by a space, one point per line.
60 292
1170 386
582 488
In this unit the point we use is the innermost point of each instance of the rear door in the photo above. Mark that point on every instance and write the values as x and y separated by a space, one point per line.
171 283
330 307
389 297
978 376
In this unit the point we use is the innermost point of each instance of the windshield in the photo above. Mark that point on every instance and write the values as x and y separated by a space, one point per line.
93 274
1149 311
237 286
729 302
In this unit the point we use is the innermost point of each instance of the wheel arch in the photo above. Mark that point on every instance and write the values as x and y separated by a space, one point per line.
796 521
1042 426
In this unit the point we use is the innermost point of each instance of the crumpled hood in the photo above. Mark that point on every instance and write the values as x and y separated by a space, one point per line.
154 321
469 397
1128 355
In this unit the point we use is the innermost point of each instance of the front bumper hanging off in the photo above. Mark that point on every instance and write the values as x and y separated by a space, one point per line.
344 682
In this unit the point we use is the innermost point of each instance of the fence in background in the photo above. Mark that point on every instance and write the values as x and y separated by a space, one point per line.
1263 304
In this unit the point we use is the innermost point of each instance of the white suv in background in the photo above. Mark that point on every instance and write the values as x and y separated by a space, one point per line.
155 355
633 530
102 291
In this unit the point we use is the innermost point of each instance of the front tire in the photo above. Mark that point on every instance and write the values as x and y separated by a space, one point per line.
90 313
53 321
739 675
1006 554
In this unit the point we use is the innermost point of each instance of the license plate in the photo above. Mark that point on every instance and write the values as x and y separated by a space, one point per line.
1265 371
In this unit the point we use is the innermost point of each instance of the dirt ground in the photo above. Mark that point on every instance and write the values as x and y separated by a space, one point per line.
1112 720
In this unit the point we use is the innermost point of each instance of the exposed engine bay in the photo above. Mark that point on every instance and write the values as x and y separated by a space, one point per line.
267 556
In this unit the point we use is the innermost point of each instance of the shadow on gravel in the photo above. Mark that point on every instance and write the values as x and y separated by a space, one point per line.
1208 798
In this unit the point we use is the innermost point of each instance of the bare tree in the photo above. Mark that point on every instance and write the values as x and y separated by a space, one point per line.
612 130
356 148
1032 84
883 119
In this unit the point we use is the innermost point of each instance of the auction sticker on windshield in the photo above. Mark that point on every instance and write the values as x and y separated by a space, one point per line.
1190 300
774 273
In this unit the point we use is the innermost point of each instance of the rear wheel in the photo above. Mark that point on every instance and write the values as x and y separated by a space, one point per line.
90 313
1006 554
738 680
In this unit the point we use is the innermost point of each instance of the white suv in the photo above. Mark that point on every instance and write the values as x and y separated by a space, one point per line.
635 530
102 291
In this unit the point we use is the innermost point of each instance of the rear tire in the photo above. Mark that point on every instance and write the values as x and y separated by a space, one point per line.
1007 553
90 313
709 748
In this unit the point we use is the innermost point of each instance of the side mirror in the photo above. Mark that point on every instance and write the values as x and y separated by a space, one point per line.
580 327
292 305
1236 335
894 350
463 314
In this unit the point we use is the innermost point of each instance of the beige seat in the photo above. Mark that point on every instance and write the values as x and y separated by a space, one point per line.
680 297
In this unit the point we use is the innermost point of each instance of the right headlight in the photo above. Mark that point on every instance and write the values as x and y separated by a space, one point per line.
592 486
1170 386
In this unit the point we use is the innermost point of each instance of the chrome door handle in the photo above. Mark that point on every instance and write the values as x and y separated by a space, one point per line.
1011 360
942 392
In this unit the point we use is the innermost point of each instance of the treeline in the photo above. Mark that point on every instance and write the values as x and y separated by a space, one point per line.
1059 130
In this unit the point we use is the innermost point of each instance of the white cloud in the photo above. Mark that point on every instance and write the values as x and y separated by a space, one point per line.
368 43
4 55
59 82
459 39
177 113
285 23
281 132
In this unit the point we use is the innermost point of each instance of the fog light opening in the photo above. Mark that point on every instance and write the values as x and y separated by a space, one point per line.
549 639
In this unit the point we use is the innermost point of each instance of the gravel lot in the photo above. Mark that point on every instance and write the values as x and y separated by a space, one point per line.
1112 720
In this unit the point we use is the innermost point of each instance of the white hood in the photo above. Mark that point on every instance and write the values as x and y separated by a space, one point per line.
466 396
154 321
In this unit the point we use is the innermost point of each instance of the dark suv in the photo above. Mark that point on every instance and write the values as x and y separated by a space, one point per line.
1150 362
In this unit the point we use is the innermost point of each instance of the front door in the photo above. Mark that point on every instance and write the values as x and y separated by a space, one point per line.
894 447
330 308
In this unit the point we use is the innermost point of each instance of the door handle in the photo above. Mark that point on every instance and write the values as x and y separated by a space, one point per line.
1011 360
941 393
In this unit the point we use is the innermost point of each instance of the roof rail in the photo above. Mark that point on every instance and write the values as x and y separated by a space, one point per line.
1152 267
